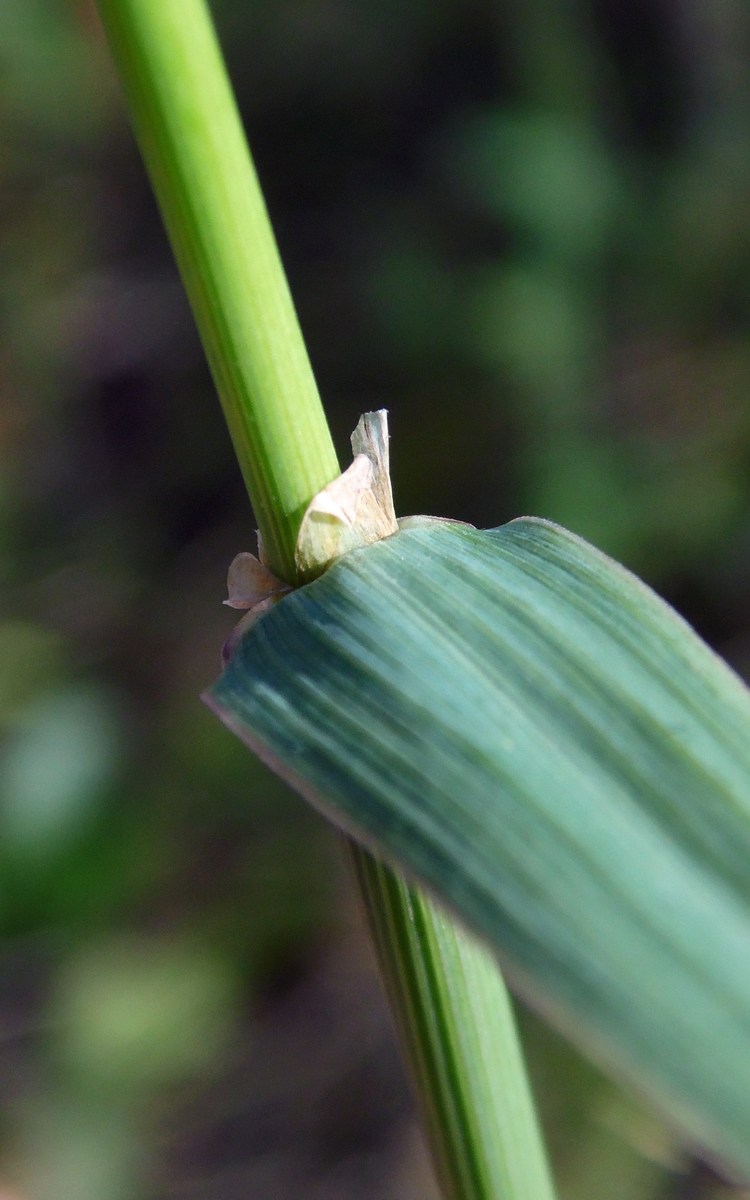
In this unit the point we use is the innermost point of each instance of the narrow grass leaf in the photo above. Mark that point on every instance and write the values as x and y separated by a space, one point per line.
515 720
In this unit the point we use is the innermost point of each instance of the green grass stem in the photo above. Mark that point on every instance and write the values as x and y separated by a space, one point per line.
450 1000
192 140
457 1024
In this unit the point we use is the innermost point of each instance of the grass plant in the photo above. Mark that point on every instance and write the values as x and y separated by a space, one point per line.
507 716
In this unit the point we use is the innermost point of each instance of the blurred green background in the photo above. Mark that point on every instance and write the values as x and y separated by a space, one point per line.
523 228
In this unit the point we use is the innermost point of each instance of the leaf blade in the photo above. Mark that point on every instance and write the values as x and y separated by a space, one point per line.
517 721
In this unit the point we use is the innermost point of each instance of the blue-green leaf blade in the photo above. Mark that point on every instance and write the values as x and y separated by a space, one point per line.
518 722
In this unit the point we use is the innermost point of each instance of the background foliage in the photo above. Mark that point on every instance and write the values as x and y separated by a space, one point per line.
520 227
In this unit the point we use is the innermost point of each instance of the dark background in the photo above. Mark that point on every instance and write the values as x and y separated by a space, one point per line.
523 228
